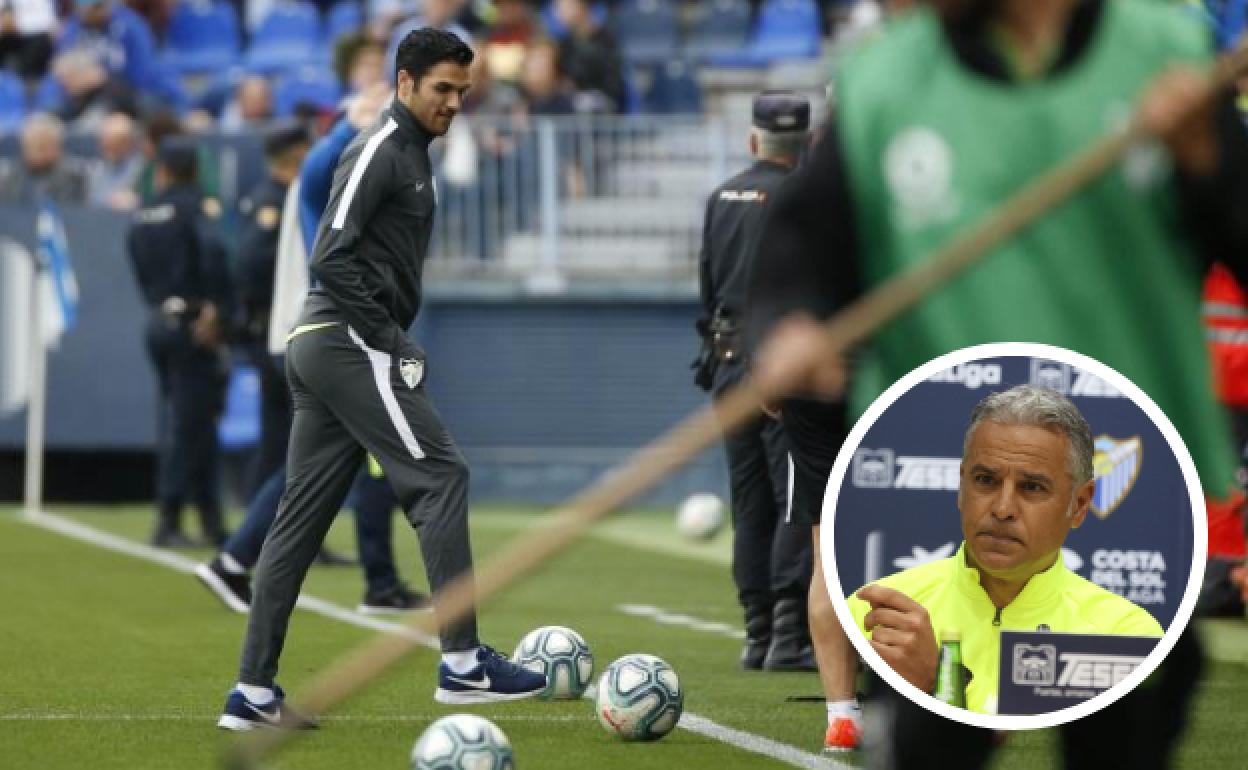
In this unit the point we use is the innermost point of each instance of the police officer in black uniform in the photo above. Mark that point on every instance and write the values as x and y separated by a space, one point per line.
260 212
771 556
181 271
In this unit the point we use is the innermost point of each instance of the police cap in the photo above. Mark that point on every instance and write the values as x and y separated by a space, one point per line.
781 111
178 155
284 135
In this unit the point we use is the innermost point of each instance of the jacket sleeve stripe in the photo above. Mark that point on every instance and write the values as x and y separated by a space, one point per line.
357 173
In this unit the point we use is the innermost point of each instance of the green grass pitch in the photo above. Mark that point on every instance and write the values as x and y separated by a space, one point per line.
109 661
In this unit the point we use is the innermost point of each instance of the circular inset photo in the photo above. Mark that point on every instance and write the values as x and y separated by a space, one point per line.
1013 536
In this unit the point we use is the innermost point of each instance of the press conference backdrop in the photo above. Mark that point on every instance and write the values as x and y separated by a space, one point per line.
543 394
898 503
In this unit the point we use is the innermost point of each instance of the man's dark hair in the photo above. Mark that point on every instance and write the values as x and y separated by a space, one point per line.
426 47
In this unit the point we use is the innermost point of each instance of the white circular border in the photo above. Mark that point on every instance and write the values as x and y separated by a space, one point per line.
1200 535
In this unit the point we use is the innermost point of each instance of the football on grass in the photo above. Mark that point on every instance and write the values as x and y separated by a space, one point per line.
562 655
700 516
639 698
462 742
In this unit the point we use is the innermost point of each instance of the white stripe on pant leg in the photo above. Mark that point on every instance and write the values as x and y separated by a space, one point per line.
788 506
381 376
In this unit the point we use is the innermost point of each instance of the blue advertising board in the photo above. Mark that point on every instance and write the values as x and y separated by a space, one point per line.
897 506
1043 671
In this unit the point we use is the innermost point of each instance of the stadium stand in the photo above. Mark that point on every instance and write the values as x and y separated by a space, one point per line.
12 103
288 38
721 27
647 30
203 37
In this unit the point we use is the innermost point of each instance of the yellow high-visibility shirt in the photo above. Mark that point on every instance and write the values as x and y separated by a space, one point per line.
1057 598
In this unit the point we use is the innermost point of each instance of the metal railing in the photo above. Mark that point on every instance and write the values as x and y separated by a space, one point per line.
552 200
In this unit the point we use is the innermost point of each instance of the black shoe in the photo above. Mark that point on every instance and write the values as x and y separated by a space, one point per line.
164 538
790 649
328 558
757 636
233 589
394 600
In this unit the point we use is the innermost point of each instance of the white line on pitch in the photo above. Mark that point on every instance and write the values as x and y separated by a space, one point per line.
668 618
700 725
34 717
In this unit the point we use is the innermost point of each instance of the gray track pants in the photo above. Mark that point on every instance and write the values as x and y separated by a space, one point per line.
347 399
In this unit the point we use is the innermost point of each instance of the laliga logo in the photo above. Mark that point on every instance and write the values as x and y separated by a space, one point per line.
1068 381
970 375
1116 466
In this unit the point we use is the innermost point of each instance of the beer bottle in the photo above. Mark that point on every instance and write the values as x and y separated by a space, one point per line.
950 675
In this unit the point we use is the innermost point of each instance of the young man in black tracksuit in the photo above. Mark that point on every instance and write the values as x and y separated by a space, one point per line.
356 382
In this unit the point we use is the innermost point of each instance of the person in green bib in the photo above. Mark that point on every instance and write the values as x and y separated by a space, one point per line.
1025 482
953 107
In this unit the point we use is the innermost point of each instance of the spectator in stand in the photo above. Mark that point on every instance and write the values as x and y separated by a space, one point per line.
123 57
26 29
439 14
359 63
543 84
508 41
251 107
588 56
111 179
44 171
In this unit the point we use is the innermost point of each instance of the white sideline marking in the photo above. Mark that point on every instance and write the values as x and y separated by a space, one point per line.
759 745
660 615
31 717
180 563
694 723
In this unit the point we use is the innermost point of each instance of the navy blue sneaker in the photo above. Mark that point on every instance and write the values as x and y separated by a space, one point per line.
241 714
493 679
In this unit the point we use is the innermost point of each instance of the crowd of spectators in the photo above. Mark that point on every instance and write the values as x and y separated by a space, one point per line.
102 69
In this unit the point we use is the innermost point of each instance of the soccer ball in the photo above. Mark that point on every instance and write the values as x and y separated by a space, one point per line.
462 742
700 516
562 655
639 698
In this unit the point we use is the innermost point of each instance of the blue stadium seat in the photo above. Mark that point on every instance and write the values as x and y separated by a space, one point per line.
646 30
287 39
785 30
314 86
674 90
203 37
344 18
12 102
722 29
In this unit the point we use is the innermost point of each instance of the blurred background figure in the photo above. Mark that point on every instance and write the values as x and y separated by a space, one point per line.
182 275
44 170
251 106
26 33
590 59
113 176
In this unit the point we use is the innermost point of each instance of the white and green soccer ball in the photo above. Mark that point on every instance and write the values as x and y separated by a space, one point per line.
639 698
462 742
562 655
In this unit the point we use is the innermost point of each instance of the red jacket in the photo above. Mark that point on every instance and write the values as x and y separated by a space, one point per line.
1226 328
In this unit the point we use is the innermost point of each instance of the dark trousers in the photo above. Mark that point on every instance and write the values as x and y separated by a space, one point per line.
349 399
771 557
192 384
370 498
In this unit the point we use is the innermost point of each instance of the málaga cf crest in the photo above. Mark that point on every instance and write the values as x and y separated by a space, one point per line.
1116 465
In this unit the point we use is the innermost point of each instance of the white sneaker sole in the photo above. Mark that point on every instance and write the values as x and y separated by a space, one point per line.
467 697
220 590
240 725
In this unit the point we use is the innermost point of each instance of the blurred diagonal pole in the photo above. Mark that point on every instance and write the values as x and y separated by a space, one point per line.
659 459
